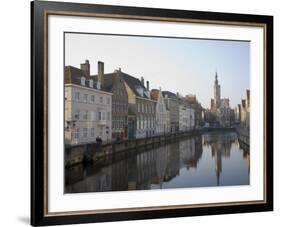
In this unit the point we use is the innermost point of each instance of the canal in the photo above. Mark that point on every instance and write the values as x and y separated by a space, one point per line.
209 159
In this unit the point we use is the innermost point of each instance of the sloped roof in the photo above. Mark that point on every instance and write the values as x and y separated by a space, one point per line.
134 84
131 81
108 80
72 75
169 94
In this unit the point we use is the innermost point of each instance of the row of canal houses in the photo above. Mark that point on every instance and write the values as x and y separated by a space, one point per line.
117 106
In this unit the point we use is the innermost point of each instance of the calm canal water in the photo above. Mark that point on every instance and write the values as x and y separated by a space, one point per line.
211 159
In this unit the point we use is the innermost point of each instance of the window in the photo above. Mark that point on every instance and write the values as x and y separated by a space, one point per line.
85 97
100 116
77 114
101 99
85 116
76 134
83 81
161 108
77 96
92 98
92 115
92 132
85 132
108 100
108 116
103 115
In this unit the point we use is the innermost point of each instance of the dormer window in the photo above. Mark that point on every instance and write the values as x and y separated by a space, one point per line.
83 81
91 83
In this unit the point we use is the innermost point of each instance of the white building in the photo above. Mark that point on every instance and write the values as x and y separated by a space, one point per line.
186 118
87 109
162 118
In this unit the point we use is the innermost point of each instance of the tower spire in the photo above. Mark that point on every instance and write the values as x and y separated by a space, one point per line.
217 91
216 77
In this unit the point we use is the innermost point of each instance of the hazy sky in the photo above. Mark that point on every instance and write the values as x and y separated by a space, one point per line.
186 66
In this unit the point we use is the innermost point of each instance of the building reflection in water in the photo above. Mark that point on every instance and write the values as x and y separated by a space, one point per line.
220 147
160 166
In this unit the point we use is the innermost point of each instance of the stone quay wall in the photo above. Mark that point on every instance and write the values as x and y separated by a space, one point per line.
92 151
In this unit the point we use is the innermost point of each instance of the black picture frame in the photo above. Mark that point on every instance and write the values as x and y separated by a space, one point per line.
39 121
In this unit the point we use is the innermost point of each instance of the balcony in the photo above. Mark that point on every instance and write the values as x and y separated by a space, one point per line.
102 122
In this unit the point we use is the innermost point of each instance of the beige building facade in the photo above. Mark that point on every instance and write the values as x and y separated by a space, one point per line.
141 106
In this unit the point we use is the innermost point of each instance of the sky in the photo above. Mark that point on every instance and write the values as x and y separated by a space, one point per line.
183 65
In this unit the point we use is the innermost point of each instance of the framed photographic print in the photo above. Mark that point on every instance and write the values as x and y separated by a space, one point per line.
142 113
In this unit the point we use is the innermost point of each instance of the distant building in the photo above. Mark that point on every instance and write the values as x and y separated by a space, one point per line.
186 116
220 107
237 113
248 100
162 117
248 107
224 103
245 110
198 110
172 103
87 107
225 116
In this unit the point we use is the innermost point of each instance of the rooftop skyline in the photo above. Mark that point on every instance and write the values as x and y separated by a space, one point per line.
187 66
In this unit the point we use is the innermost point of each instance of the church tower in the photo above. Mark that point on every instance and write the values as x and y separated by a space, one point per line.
217 92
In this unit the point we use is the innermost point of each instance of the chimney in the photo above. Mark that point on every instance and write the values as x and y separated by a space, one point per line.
85 67
147 85
101 73
142 81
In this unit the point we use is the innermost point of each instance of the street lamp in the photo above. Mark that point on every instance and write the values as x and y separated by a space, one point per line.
107 132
